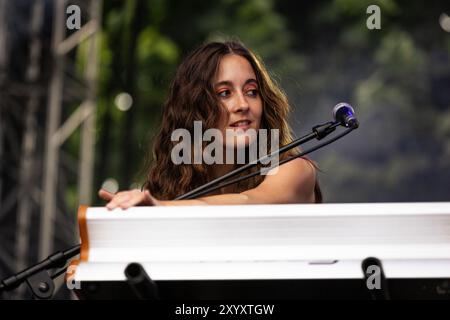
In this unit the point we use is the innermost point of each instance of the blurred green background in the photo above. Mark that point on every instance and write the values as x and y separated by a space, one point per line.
321 52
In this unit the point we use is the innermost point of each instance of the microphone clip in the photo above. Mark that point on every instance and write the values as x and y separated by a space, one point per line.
322 130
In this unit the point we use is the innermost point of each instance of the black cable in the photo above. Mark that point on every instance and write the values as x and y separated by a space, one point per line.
323 144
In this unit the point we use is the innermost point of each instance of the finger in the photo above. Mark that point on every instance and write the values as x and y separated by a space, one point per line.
136 200
130 203
127 199
119 198
105 195
139 198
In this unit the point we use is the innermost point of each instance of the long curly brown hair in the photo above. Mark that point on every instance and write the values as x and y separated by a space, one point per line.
192 98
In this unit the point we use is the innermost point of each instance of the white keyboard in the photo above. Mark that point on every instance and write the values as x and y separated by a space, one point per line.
291 241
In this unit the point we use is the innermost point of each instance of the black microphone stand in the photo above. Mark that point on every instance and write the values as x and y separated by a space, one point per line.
38 276
265 170
318 132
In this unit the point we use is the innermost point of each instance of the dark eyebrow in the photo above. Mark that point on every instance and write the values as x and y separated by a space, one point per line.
229 83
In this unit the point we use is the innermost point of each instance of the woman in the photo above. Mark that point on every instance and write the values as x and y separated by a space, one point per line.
225 86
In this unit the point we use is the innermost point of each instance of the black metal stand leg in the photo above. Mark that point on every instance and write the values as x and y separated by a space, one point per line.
140 282
374 278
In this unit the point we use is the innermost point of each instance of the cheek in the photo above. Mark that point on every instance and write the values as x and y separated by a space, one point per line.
227 104
258 111
224 116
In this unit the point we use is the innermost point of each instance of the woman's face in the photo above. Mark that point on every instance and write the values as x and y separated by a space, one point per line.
236 87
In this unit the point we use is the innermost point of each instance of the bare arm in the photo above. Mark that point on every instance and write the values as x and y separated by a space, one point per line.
293 183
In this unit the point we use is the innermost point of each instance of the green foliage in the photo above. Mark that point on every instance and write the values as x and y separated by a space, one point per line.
321 53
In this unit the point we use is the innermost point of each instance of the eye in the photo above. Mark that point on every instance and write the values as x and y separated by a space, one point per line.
252 92
224 93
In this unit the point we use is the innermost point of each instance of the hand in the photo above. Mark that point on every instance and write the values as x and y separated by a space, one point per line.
126 199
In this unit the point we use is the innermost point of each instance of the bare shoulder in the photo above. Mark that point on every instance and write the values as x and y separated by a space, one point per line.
301 166
292 182
299 173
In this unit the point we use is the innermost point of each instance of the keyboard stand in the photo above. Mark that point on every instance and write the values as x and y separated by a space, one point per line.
375 279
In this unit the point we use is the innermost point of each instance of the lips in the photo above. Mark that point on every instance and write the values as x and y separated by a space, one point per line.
242 124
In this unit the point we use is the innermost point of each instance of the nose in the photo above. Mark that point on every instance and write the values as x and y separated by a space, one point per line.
241 103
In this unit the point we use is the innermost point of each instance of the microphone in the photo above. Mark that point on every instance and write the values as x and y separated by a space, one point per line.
344 113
